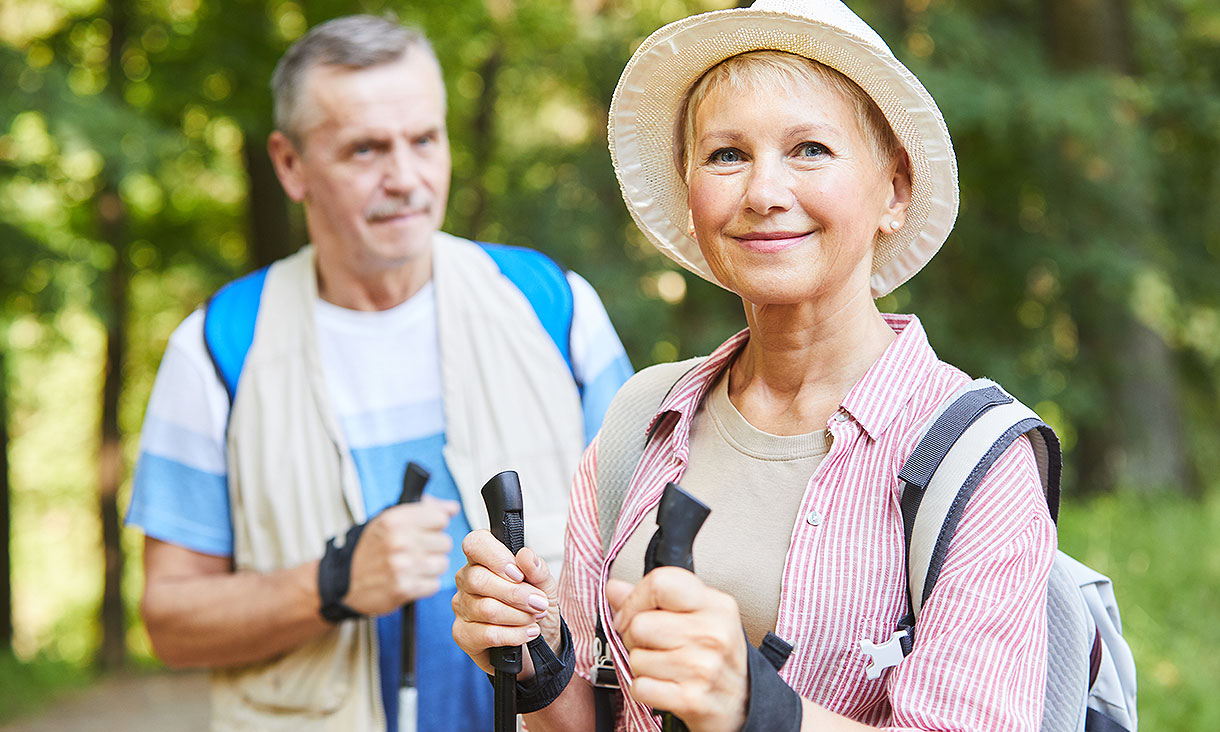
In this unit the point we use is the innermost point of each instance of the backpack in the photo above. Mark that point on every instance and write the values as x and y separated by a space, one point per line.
1090 679
230 315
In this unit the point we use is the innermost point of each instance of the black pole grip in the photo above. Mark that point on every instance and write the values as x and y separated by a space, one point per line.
414 478
502 495
679 518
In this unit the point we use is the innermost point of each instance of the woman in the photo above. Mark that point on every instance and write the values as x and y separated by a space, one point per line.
783 153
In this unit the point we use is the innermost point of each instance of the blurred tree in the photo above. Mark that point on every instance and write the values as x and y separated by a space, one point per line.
114 310
1064 247
93 153
481 137
20 258
6 563
1144 424
272 235
24 260
272 231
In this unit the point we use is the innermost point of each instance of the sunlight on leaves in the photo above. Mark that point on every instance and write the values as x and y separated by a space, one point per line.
31 142
289 20
81 164
142 193
1154 302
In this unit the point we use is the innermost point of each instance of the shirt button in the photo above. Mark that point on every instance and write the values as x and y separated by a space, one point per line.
814 518
840 416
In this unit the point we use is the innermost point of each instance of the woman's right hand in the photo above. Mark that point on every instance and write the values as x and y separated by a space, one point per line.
503 600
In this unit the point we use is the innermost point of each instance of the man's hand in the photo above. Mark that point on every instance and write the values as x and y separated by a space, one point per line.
687 651
401 556
503 600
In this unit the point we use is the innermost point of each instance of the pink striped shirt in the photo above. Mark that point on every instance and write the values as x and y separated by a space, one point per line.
980 646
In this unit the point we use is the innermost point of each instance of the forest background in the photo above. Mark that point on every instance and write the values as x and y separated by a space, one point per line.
1082 273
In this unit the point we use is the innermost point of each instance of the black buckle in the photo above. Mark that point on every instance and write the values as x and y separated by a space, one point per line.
604 676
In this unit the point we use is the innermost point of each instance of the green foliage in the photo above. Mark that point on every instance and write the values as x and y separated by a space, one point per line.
26 687
1087 218
1165 563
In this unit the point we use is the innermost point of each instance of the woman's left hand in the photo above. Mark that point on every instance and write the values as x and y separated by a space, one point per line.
687 650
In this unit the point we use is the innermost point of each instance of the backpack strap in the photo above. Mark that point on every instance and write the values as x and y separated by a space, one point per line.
545 284
623 436
228 326
947 465
230 314
620 445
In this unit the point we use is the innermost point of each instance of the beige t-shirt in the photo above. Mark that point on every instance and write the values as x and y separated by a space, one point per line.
753 482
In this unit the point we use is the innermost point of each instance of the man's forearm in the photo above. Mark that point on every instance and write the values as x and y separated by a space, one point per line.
232 618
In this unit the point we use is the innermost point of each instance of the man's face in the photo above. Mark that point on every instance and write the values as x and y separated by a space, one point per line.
373 163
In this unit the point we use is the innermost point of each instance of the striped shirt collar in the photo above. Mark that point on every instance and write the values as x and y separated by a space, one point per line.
875 400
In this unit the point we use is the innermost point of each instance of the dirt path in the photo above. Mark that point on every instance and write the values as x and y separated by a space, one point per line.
164 702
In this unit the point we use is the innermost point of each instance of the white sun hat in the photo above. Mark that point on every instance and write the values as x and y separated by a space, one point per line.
645 106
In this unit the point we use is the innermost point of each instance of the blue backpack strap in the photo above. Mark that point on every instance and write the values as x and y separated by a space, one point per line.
228 326
545 284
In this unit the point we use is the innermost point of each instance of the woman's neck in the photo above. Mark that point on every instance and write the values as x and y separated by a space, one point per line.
801 360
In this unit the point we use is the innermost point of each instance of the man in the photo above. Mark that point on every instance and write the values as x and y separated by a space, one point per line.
285 412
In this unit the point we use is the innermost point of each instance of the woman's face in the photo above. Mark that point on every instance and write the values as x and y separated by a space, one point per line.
786 195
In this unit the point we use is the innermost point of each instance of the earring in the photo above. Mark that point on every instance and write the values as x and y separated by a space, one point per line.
895 225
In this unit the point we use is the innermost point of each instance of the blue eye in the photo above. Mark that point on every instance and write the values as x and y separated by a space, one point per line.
725 155
811 150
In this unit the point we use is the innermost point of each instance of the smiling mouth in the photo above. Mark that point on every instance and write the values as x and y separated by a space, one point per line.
767 242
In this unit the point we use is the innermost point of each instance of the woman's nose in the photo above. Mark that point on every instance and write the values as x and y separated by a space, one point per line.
769 187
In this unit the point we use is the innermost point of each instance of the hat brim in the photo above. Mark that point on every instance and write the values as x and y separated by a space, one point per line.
646 101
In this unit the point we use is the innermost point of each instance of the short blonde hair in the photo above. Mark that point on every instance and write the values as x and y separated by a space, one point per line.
782 70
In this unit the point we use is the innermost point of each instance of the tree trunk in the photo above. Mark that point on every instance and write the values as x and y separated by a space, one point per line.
1155 450
111 218
1089 34
272 234
6 564
483 138
1143 445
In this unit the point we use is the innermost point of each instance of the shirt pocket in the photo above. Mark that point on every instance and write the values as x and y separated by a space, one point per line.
315 680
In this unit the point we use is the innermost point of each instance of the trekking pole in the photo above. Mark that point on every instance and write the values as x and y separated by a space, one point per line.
414 478
502 494
679 517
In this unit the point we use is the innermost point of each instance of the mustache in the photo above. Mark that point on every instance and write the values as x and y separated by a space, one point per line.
416 201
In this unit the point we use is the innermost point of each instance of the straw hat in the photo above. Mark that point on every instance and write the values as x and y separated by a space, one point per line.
645 104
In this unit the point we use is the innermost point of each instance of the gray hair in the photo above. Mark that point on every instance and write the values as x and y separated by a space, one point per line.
354 41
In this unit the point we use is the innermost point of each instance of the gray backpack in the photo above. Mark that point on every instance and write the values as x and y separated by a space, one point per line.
1090 679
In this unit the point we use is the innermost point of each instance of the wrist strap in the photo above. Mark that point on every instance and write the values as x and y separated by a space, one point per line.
551 673
335 576
773 705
